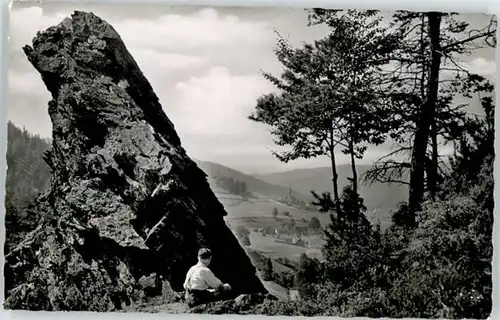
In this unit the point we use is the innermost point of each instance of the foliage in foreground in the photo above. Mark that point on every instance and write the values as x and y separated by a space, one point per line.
440 269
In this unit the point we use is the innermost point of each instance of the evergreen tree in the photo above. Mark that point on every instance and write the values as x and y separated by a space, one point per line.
426 80
27 176
329 95
243 234
268 272
314 224
309 272
275 212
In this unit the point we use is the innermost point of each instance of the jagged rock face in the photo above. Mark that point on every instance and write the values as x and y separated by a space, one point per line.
125 202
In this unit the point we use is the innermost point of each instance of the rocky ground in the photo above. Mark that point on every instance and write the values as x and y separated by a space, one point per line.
243 304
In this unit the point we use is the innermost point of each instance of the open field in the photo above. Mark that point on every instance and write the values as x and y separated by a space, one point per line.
252 222
272 249
256 212
261 208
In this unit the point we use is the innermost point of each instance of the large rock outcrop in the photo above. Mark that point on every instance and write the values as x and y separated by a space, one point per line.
126 203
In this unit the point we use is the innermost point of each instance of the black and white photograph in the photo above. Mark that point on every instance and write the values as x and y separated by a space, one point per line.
243 160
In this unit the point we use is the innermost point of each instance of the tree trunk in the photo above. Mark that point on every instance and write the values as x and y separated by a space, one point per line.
433 170
426 117
355 190
335 176
353 168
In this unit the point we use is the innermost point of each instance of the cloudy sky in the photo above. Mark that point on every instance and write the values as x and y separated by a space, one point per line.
204 64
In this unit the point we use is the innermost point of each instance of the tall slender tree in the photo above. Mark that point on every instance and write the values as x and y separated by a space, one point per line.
329 99
426 74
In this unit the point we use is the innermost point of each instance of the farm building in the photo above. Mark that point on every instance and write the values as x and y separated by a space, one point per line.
298 242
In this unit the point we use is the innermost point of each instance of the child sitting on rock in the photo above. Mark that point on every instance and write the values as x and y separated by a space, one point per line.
201 285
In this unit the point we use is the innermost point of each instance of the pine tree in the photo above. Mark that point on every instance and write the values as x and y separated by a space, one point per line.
329 92
27 176
275 212
426 81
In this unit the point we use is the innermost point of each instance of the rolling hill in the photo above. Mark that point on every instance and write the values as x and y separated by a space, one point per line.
255 185
379 198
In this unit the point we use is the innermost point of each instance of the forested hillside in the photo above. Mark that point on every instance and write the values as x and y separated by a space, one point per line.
283 193
27 176
379 197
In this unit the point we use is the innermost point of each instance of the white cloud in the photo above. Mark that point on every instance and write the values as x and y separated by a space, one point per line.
162 46
169 32
204 67
481 66
477 65
211 112
27 83
158 66
166 61
218 103
26 22
203 28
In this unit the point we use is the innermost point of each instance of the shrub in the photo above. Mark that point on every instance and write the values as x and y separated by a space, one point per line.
314 224
243 235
